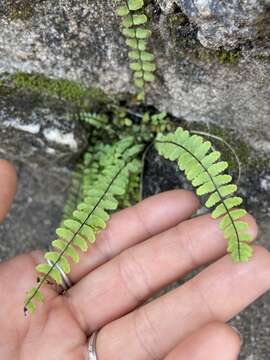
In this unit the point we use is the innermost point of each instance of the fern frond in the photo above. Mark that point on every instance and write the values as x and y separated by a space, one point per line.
97 120
134 28
91 215
203 167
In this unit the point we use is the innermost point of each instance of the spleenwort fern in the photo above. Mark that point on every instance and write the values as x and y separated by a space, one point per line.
202 166
110 171
88 219
134 28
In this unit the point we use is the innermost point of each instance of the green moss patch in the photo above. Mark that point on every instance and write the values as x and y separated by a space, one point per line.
20 10
70 91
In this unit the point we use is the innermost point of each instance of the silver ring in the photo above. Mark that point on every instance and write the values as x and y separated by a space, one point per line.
66 283
92 352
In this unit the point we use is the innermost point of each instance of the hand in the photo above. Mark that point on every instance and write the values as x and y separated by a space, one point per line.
142 250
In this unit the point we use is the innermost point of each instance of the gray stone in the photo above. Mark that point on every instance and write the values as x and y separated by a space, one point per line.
37 208
40 130
37 137
227 23
79 42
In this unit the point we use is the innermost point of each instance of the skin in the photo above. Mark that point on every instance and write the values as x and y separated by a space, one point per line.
142 250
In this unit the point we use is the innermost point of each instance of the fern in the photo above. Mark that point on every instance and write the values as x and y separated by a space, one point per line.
98 121
202 166
134 28
89 218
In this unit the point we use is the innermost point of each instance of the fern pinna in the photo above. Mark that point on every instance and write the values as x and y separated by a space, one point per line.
89 218
202 166
134 28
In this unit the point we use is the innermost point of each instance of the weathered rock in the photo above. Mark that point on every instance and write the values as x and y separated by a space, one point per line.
37 137
37 209
36 130
228 23
83 43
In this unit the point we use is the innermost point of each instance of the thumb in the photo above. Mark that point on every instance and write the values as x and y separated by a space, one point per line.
8 185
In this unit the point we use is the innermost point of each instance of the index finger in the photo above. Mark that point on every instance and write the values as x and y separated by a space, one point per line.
134 225
8 185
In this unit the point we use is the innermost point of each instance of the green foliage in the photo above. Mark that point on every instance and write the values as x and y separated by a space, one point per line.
202 166
122 122
108 177
91 214
134 28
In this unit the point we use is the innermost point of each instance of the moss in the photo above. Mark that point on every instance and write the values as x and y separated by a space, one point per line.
262 57
22 14
177 20
4 90
70 91
20 10
228 56
224 57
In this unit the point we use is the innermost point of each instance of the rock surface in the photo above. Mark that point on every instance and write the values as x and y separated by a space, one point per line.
228 23
37 137
213 60
79 42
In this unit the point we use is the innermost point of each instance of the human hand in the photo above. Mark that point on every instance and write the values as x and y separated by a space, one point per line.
142 250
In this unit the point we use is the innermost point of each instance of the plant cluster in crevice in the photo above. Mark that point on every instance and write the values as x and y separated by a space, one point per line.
108 176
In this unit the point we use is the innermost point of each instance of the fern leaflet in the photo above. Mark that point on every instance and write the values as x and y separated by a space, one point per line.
202 166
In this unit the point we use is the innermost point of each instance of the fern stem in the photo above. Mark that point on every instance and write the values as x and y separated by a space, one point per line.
215 186
45 277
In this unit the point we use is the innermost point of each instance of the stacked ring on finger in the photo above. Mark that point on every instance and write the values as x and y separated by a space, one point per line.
92 346
66 282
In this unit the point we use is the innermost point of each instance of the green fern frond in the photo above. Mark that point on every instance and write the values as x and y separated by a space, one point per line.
91 215
202 166
134 28
96 120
